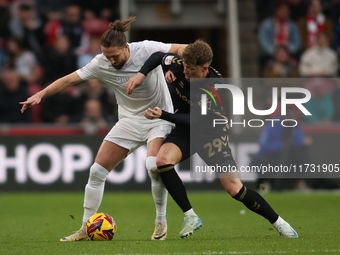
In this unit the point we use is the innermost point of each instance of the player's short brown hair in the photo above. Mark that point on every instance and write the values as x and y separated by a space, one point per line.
114 36
198 53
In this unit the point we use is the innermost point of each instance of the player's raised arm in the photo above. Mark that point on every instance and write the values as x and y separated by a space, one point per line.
55 87
153 61
177 48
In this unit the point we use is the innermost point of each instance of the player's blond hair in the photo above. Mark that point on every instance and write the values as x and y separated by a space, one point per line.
114 36
198 53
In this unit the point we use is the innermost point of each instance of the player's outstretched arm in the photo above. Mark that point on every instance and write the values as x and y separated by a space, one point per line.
177 48
55 87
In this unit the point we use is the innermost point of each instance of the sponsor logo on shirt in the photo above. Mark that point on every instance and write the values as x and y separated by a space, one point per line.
168 60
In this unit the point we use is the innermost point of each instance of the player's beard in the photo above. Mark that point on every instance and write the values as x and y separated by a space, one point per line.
121 64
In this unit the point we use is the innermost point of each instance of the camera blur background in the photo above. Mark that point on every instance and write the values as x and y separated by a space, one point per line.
52 145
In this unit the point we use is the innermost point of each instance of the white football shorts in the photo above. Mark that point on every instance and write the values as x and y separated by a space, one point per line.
131 135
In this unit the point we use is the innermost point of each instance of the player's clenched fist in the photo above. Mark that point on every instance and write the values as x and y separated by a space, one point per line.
134 82
31 101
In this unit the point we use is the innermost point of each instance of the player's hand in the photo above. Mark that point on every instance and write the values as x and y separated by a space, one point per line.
134 82
153 113
31 101
170 77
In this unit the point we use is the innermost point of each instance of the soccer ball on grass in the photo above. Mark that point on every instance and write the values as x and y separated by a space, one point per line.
101 227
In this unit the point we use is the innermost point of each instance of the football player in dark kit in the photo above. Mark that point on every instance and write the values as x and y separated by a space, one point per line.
195 63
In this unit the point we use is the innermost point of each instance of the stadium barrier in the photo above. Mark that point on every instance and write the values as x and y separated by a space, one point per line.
58 159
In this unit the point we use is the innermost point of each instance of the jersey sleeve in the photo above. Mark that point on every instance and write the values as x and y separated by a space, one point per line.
174 63
169 61
182 119
153 46
153 61
89 71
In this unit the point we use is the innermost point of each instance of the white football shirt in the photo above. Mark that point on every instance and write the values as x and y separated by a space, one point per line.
153 92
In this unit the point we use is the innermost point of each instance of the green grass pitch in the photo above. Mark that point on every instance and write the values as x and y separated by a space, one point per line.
33 223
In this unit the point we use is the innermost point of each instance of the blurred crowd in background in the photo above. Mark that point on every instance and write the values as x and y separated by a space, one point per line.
301 38
43 40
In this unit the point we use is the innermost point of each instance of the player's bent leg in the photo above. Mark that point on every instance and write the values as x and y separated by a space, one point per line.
256 203
231 185
169 153
109 155
154 146
94 191
158 190
250 198
168 156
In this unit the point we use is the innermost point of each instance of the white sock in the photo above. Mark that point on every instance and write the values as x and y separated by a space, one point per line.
94 191
278 222
158 190
190 212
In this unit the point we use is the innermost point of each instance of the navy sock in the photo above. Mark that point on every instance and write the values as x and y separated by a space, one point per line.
256 203
175 186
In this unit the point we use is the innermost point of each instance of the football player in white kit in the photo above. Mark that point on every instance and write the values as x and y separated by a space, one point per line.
119 62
